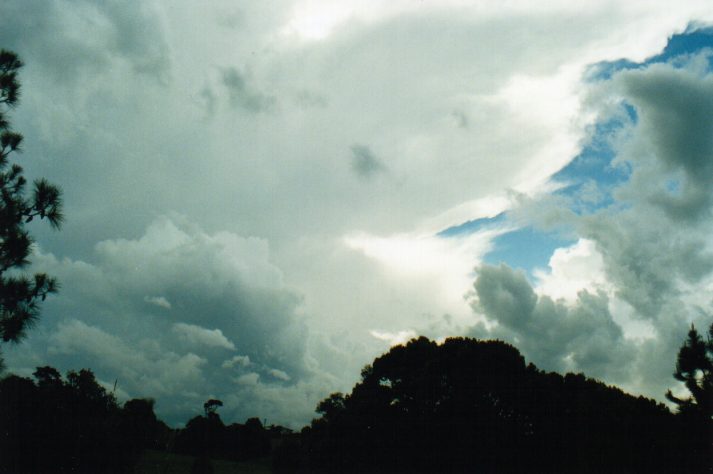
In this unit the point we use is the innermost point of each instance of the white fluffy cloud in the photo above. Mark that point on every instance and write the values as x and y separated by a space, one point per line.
198 335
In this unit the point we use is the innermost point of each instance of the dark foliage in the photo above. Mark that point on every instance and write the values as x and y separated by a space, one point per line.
20 294
71 425
475 406
207 437
694 367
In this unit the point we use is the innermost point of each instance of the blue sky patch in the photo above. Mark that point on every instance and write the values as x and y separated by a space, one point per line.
588 181
591 176
691 41
473 226
526 248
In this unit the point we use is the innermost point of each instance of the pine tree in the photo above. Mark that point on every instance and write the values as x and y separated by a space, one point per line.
694 367
20 293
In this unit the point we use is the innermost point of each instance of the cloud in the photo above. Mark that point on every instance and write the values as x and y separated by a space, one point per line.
202 336
242 95
238 360
572 269
394 339
643 262
364 163
555 336
281 249
280 375
658 242
159 301
225 295
85 37
140 367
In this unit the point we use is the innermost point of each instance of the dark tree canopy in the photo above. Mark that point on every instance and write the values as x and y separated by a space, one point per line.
72 424
476 406
20 294
208 436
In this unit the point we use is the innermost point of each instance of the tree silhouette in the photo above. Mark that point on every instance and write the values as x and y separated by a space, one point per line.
69 424
211 406
694 367
19 294
475 406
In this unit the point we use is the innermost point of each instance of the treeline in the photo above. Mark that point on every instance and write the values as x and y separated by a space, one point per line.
55 424
460 406
72 424
475 406
208 437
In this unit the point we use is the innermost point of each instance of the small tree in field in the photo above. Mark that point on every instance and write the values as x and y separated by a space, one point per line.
20 294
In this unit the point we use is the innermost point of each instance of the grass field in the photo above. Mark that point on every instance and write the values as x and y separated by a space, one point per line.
159 462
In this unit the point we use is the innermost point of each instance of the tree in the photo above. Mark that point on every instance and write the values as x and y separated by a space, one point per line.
694 367
20 294
211 406
465 405
331 406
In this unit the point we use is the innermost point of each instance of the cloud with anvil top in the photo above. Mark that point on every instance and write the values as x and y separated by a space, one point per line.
262 196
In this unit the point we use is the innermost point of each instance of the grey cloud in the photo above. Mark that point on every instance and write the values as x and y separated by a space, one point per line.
75 36
126 150
673 105
555 336
243 95
140 365
146 149
225 295
310 99
138 34
654 239
209 99
239 360
647 257
364 162
460 118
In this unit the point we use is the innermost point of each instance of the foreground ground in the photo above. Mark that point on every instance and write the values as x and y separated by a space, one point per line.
159 462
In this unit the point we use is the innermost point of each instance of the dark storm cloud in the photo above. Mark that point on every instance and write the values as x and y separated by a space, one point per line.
82 36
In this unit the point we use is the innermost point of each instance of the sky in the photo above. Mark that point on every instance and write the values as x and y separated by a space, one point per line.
262 196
